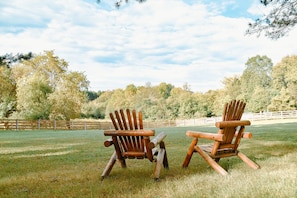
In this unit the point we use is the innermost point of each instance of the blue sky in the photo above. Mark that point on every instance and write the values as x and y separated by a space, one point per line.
197 42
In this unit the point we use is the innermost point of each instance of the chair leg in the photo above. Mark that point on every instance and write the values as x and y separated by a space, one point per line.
159 163
109 166
248 161
165 160
190 153
211 162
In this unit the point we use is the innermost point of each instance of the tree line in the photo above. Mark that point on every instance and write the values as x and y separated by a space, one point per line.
41 87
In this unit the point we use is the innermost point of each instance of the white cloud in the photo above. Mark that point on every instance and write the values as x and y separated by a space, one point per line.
258 9
153 42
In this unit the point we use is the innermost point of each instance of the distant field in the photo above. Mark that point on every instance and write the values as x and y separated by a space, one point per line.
69 164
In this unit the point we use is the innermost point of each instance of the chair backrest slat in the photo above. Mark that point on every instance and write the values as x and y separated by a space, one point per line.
119 121
140 120
130 122
137 123
113 121
134 120
123 119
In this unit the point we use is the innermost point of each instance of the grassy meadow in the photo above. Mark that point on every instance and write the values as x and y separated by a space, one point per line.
70 163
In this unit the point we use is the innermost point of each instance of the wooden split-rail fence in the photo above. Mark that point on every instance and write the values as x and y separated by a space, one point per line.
19 124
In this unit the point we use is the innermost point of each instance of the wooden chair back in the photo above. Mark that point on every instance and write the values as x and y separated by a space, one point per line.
232 112
131 146
119 120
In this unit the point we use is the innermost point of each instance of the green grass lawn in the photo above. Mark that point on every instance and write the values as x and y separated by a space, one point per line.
70 163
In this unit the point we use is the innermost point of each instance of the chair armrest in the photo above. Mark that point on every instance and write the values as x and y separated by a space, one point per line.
108 142
210 136
156 140
129 132
235 123
245 135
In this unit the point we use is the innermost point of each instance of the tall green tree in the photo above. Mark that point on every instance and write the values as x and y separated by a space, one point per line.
116 101
217 100
92 95
130 95
283 101
285 74
69 96
7 93
285 82
8 102
149 100
260 100
258 73
32 97
189 106
181 103
165 89
97 108
46 89
232 87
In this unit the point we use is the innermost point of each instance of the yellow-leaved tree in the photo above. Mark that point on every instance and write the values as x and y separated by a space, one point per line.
46 89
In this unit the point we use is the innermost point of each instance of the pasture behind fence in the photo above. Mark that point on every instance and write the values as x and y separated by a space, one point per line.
20 124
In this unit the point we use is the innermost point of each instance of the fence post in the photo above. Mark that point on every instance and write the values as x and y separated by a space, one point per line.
39 124
55 124
85 125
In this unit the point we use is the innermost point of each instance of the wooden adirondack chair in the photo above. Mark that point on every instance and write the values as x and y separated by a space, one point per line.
231 130
131 141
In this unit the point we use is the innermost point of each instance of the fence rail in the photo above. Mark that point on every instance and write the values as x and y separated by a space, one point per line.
246 116
18 124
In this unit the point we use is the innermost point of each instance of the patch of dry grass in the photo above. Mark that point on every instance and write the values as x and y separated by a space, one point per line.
13 150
